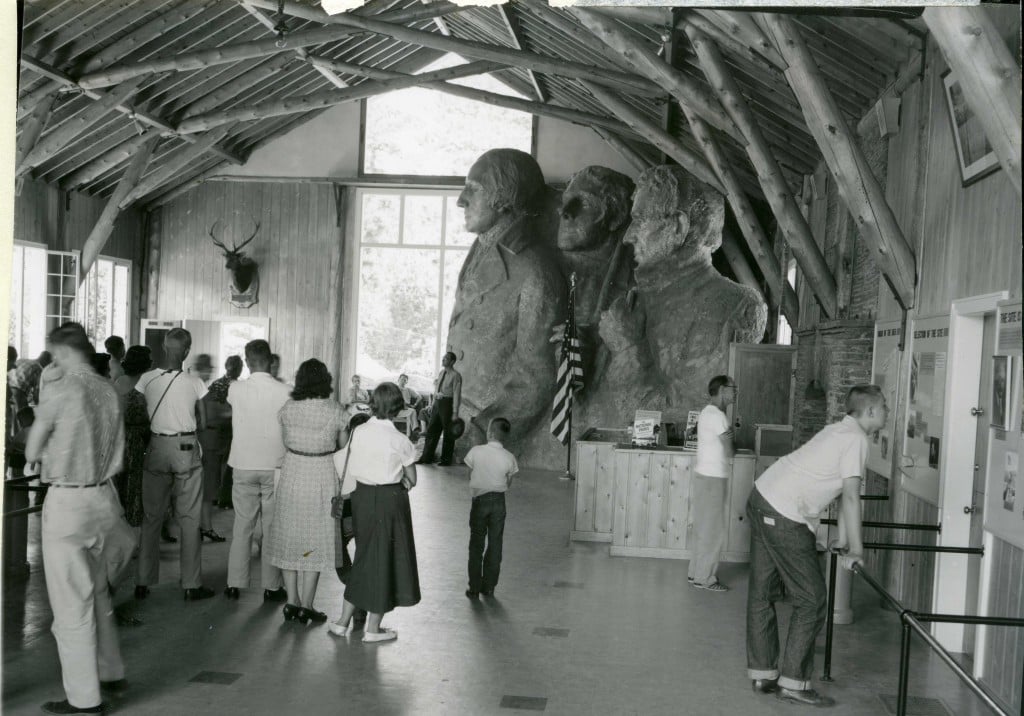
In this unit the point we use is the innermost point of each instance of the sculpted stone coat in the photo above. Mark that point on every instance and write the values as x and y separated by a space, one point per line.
510 293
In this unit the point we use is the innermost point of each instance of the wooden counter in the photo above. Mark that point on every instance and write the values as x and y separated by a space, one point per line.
595 484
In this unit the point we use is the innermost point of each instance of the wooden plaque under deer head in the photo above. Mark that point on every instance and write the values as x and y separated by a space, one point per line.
245 272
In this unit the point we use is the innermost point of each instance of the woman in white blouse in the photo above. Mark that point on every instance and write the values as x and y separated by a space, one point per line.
378 470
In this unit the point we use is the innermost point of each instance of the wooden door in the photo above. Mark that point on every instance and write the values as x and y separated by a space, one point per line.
764 376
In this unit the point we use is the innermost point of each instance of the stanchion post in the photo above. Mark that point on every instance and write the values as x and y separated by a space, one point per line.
901 693
833 564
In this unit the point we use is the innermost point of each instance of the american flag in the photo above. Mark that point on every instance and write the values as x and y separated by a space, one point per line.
570 373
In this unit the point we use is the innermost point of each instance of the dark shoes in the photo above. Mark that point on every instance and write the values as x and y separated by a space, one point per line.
807 697
291 612
445 463
141 592
424 461
63 707
211 535
196 593
487 592
306 614
231 592
765 686
471 594
275 595
114 687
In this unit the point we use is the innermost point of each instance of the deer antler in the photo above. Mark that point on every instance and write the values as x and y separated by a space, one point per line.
215 241
251 236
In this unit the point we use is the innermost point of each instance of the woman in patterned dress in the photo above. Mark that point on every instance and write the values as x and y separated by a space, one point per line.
136 361
304 539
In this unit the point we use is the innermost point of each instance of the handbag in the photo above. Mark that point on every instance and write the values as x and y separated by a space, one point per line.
337 502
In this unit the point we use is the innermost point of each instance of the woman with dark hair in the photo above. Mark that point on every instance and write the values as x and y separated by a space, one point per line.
303 539
137 360
101 364
215 439
378 469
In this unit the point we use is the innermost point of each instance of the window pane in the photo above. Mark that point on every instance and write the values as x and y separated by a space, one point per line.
70 264
33 317
422 220
398 307
455 225
453 261
122 276
380 218
54 263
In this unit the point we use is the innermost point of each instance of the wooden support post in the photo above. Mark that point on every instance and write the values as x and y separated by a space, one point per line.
153 246
170 166
106 161
656 135
738 263
635 159
782 294
105 224
327 98
512 25
31 128
678 84
623 81
863 195
989 76
776 191
76 125
300 52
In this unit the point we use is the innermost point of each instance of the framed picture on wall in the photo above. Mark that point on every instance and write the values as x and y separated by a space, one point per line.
1002 384
974 153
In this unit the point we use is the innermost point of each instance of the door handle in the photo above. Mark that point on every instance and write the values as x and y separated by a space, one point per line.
970 510
977 412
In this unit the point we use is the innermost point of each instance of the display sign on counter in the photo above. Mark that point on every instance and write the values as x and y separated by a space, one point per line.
646 427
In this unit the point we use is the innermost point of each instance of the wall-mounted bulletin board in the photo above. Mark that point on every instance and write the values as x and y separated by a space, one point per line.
1004 489
928 344
886 360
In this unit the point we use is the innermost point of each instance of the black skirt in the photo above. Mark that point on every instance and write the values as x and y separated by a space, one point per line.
384 574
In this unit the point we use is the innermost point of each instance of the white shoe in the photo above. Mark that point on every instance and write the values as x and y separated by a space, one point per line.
339 630
382 635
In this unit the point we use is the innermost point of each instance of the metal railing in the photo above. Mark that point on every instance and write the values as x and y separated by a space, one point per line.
913 622
891 525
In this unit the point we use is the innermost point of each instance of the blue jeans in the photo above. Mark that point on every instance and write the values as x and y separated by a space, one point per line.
782 553
486 524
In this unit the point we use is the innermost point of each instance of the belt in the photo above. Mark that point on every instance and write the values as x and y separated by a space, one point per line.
78 487
310 454
175 435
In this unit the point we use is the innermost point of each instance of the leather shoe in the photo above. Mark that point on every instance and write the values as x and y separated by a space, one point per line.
806 697
305 613
231 592
444 463
63 707
196 593
275 595
423 461
115 686
487 592
765 686
471 594
141 592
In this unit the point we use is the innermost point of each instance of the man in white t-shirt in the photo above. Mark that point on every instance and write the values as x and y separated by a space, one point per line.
783 512
257 450
173 468
710 485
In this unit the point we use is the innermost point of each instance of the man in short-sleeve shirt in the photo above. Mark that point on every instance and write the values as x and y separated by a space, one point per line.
783 512
710 485
173 469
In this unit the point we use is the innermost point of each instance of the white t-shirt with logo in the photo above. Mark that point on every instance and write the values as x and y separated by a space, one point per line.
802 484
711 458
176 413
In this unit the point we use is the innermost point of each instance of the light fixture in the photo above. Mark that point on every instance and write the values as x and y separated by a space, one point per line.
281 26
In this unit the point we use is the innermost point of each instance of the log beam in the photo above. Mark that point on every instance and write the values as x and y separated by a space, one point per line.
327 98
512 25
738 263
769 174
989 77
623 81
554 19
860 190
74 126
32 99
300 52
106 161
678 84
105 224
145 117
171 166
633 157
657 136
782 293
31 128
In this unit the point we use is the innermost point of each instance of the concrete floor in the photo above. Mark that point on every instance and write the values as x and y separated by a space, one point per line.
569 631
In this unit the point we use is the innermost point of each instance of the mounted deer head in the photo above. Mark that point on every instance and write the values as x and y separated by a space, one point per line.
243 269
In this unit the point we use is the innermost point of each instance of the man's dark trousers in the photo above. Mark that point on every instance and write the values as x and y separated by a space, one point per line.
486 524
440 425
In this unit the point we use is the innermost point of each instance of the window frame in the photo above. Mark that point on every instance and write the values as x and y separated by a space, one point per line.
81 308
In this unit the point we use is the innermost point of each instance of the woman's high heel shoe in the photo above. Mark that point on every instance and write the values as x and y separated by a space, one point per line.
211 535
307 614
291 613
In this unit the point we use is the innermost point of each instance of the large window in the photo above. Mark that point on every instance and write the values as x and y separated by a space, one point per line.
45 294
424 132
411 247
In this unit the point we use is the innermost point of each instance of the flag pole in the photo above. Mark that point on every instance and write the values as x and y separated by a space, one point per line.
568 442
568 445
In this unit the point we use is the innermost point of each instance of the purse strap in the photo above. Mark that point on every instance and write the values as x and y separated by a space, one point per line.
348 454
164 395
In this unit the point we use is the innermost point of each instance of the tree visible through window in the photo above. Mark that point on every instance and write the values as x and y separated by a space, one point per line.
424 132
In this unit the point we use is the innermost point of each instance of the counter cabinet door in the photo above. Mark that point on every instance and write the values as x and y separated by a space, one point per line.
738 539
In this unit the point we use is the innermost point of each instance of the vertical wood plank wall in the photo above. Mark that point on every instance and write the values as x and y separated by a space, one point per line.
298 250
61 221
1004 649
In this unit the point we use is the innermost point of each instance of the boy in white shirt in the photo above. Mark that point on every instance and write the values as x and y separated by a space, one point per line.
492 468
707 498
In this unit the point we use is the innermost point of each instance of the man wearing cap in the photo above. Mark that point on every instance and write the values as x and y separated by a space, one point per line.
78 434
447 400
173 470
